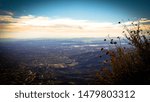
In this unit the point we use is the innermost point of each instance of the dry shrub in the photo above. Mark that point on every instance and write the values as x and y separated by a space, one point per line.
129 65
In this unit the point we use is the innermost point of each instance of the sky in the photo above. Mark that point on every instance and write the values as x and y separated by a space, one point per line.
68 18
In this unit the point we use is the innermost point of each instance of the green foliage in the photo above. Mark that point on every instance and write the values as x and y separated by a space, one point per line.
129 65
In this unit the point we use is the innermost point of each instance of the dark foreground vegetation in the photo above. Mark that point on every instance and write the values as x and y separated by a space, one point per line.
129 66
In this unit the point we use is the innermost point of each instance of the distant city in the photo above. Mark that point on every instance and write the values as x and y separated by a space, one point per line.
65 61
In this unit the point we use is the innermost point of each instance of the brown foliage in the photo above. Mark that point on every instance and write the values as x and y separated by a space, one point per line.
129 66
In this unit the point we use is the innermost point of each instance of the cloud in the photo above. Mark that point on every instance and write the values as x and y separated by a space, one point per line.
6 19
142 21
39 26
144 24
4 12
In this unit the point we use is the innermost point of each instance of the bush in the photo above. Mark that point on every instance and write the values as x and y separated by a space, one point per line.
129 65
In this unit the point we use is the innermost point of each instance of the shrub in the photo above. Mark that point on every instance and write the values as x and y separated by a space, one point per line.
129 65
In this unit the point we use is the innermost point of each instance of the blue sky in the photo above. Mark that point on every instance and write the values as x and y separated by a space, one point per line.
101 10
95 11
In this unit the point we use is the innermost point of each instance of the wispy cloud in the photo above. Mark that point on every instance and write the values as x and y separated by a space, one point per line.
4 12
39 26
144 24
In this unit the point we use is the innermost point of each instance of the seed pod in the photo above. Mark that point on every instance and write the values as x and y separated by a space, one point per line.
115 42
107 52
